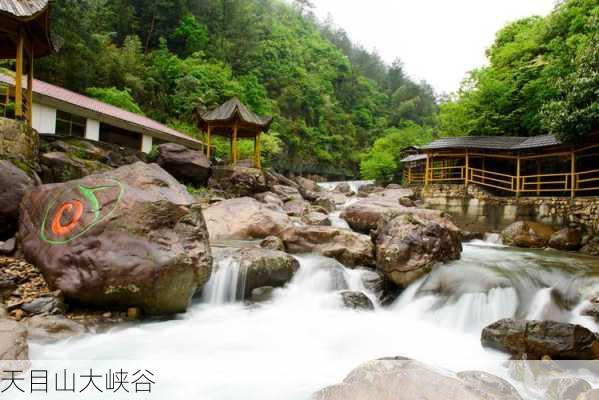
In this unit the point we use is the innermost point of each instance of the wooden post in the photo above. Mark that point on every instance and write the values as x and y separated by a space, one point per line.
538 178
257 161
426 172
208 136
19 76
518 176
409 175
467 162
234 150
30 89
573 174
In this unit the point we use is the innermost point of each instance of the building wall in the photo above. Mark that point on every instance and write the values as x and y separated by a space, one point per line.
43 118
146 144
474 209
92 129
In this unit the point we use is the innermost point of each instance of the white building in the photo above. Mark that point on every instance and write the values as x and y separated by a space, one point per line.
62 112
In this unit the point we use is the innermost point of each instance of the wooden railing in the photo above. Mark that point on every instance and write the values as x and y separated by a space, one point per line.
7 103
492 179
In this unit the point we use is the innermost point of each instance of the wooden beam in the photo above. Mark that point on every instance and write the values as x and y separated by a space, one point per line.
19 76
573 174
518 176
30 89
467 163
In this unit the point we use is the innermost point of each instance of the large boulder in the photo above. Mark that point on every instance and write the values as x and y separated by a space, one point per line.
591 247
13 341
380 286
287 193
52 328
238 181
296 207
62 167
527 234
19 143
350 248
343 187
316 218
307 184
401 378
262 267
536 339
566 239
14 183
242 219
271 200
408 246
188 166
127 238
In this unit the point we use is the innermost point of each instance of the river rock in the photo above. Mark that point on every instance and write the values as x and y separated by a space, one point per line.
13 341
401 378
492 382
378 284
527 234
8 247
261 294
343 187
263 267
307 184
244 218
368 189
238 181
590 395
52 328
316 218
355 300
566 239
48 304
272 243
408 246
287 193
127 238
188 166
326 202
19 144
567 388
296 207
536 339
591 247
270 199
14 183
62 167
350 248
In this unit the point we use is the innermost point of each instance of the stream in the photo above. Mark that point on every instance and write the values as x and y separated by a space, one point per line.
303 339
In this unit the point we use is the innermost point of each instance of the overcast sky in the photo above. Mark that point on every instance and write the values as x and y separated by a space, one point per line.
438 40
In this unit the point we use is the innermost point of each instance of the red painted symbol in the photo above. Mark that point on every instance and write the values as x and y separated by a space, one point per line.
70 212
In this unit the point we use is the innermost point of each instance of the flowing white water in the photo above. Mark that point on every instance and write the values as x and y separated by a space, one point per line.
303 339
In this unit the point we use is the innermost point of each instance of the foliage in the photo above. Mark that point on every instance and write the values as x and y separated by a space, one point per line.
330 98
116 97
533 62
382 161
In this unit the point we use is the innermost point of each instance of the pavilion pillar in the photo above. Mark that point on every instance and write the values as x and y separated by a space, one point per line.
409 175
30 89
19 75
257 161
572 174
234 145
467 168
427 171
518 176
208 135
538 178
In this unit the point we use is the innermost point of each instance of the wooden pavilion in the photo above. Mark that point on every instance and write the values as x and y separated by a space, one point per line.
24 35
234 120
508 165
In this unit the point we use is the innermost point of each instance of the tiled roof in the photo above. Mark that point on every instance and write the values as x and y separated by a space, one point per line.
227 110
493 142
75 99
23 8
414 157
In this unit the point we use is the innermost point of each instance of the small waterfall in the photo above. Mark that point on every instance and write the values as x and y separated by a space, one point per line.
227 283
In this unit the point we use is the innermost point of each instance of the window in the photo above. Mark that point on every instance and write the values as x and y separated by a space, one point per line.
69 124
121 137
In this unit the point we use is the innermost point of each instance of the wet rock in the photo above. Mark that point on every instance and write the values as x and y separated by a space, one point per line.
261 294
296 207
592 311
127 238
287 193
350 248
355 300
272 243
242 219
376 282
368 189
536 339
566 239
591 248
468 236
326 203
406 202
270 199
590 395
63 167
316 218
567 388
48 304
527 234
343 187
13 183
238 181
13 341
307 184
408 246
187 166
8 247
493 383
262 267
401 378
52 328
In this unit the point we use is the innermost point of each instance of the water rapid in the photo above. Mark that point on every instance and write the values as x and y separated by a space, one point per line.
304 339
